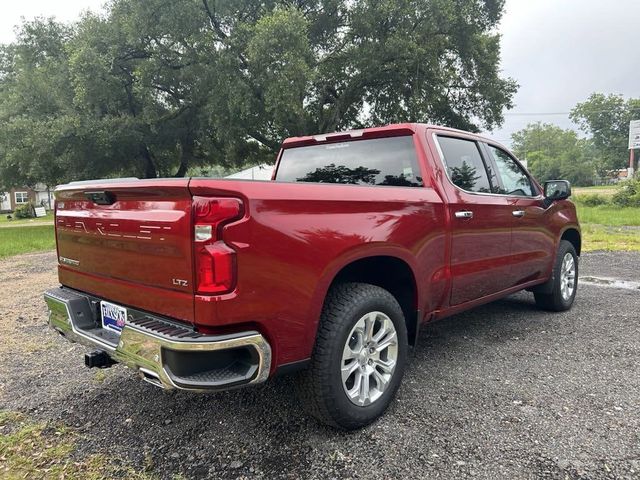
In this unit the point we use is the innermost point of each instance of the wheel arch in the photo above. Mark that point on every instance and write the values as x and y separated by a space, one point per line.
572 235
389 270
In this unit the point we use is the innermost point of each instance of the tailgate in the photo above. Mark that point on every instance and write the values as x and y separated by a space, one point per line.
128 241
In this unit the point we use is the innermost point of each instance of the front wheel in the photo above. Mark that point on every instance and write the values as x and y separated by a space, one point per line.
359 357
561 288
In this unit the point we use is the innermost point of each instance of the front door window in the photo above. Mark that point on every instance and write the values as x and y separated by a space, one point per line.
514 180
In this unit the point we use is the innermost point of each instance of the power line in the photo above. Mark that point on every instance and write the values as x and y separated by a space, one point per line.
539 114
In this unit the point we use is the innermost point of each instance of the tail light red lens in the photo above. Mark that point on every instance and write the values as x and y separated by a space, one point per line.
215 260
215 211
216 268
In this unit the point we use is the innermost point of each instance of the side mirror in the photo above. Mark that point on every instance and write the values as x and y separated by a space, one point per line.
557 190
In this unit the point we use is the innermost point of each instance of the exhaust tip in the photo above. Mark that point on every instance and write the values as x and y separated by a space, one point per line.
150 377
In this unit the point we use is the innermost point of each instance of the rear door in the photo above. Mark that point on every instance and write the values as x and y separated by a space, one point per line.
480 222
128 241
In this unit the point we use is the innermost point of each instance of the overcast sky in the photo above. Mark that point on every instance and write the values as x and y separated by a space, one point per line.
559 51
64 10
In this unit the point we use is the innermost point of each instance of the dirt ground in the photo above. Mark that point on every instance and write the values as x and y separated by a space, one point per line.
503 391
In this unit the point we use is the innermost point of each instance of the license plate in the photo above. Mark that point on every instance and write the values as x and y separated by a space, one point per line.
113 316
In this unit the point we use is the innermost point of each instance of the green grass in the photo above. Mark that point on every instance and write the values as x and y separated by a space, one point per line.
14 241
609 215
594 189
31 449
605 191
602 237
23 221
607 227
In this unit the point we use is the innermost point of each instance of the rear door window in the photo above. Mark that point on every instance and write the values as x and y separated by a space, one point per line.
465 166
379 161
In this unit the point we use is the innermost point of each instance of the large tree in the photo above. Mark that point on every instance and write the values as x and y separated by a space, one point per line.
552 152
35 127
156 87
606 119
547 138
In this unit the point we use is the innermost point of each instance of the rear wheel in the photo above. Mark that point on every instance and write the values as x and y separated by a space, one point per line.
558 295
359 357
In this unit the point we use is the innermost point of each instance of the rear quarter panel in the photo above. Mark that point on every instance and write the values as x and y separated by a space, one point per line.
294 239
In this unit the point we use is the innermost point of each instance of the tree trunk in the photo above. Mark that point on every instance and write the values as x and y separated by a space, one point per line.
186 153
150 170
182 169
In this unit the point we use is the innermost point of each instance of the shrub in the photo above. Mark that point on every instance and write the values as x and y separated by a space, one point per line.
24 211
592 200
628 195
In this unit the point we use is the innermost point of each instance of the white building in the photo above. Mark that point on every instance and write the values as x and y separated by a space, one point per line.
260 172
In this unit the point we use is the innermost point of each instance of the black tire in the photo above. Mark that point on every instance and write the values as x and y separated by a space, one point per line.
320 387
549 296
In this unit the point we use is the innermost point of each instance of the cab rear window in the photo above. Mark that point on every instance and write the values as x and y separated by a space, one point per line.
379 161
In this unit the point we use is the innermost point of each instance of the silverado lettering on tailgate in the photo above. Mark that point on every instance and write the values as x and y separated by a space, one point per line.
116 230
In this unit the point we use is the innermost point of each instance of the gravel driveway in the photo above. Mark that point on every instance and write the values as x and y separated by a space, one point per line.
503 391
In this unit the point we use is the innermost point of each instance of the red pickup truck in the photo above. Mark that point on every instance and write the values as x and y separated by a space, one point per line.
328 270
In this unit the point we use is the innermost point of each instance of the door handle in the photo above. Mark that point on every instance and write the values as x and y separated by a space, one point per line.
464 214
518 213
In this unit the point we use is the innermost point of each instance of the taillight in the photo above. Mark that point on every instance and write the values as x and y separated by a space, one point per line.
215 260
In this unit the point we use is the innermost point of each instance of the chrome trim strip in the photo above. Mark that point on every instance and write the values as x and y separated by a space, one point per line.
446 173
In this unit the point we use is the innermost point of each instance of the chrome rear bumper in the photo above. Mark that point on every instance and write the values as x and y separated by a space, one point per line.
167 354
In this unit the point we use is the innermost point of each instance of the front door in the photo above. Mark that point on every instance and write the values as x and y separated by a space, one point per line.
532 244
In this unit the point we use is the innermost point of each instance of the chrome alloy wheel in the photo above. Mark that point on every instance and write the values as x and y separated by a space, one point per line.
369 358
567 276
